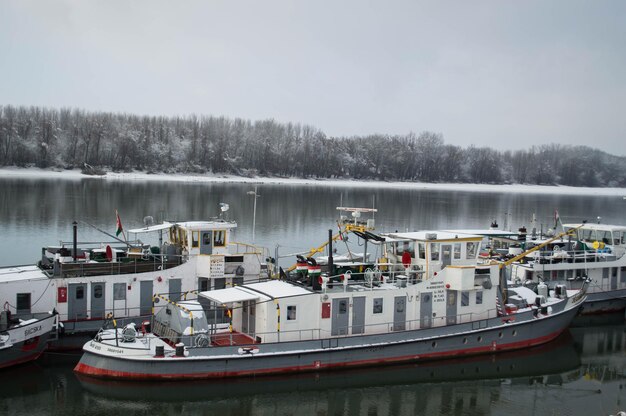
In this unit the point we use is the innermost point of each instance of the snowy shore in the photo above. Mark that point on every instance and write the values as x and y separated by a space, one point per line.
36 173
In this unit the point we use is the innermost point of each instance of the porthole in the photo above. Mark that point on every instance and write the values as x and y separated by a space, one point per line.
514 333
479 339
500 334
464 340
434 344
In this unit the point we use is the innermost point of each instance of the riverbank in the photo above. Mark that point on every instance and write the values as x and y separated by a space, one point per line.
75 174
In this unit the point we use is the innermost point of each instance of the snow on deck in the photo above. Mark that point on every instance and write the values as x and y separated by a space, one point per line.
278 289
12 274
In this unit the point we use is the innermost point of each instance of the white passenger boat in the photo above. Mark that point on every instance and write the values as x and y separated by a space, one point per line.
441 304
85 282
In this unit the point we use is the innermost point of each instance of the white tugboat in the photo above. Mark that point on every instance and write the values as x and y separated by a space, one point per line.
85 284
435 301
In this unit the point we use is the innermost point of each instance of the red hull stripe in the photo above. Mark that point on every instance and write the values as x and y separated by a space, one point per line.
101 372
21 360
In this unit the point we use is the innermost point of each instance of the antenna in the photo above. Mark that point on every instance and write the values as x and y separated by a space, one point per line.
223 208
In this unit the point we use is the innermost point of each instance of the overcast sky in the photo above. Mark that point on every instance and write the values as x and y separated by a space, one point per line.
507 74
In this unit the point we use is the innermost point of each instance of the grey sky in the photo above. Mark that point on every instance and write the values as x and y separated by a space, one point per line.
508 74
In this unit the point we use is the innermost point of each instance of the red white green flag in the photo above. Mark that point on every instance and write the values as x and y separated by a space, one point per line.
118 225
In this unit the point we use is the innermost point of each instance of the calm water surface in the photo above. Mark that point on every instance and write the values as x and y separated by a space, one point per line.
581 373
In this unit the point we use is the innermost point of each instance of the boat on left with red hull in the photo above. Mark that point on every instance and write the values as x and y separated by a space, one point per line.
25 338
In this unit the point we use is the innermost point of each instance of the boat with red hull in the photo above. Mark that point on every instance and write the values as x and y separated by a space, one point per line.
442 305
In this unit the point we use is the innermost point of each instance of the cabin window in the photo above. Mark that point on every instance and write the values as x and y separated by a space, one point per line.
434 251
22 303
119 291
465 298
206 238
471 250
421 248
80 292
457 251
343 306
195 239
291 313
587 235
378 305
405 246
219 238
97 291
604 236
479 297
622 277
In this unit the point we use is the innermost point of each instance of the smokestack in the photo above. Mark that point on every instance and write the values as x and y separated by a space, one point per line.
75 241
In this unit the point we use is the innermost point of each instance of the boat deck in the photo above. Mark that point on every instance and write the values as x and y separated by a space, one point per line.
234 338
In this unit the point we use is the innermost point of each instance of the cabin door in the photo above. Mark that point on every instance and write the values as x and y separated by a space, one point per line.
145 297
205 242
175 290
613 278
339 325
399 313
451 307
358 315
426 310
97 299
76 301
446 255
245 317
252 318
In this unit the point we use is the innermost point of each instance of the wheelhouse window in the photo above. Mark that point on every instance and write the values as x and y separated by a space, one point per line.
291 313
471 250
479 297
219 238
457 251
22 303
465 298
378 305
421 248
434 251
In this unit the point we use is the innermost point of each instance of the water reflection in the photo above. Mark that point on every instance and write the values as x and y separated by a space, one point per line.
576 374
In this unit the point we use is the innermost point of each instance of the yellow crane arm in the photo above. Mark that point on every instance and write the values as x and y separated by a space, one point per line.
540 246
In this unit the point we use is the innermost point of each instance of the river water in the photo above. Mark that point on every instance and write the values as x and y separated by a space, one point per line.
583 372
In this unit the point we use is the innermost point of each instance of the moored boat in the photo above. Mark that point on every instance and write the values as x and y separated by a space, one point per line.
24 340
441 303
594 252
86 282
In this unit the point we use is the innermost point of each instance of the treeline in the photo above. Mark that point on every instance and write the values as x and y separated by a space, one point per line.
69 138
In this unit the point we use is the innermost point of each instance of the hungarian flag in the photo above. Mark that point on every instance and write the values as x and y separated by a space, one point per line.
118 225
